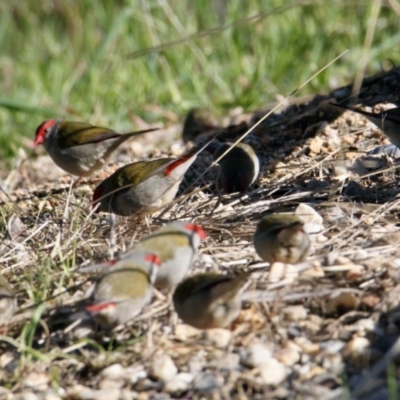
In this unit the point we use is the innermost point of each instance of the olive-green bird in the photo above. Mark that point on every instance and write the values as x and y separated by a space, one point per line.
238 169
142 187
124 289
281 237
175 244
77 147
197 121
209 300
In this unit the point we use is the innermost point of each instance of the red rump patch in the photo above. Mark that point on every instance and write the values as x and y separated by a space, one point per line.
96 196
101 306
153 259
40 134
176 163
111 262
196 229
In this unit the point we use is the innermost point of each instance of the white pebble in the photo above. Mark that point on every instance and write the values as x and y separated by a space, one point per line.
332 346
273 372
184 332
114 371
256 355
163 368
133 374
219 337
37 381
25 396
295 313
308 214
179 383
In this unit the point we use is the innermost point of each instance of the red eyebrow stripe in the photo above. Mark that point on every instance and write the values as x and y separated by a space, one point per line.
197 229
153 258
41 131
100 307
97 193
176 163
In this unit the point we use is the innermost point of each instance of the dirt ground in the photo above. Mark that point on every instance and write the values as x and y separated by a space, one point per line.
325 329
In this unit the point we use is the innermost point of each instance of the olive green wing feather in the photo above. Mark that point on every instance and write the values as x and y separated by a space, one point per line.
80 133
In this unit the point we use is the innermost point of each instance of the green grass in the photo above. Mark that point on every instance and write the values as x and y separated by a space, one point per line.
73 58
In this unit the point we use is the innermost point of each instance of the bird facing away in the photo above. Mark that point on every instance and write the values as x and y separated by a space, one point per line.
209 300
281 237
238 169
77 147
198 121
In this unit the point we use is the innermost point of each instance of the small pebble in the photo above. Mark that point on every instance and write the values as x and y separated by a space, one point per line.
288 356
179 383
163 368
295 313
107 384
309 215
321 239
52 396
228 362
307 346
206 382
114 371
133 374
273 372
219 337
184 332
36 381
256 355
332 346
25 396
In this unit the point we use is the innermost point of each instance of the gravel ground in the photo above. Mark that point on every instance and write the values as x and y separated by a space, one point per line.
325 329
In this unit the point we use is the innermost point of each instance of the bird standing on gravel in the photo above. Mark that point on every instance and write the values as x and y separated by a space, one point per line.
209 300
387 121
8 302
142 187
124 289
175 244
77 147
281 237
238 169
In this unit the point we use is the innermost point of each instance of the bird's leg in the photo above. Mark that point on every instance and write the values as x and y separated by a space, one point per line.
217 188
113 236
105 165
76 182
